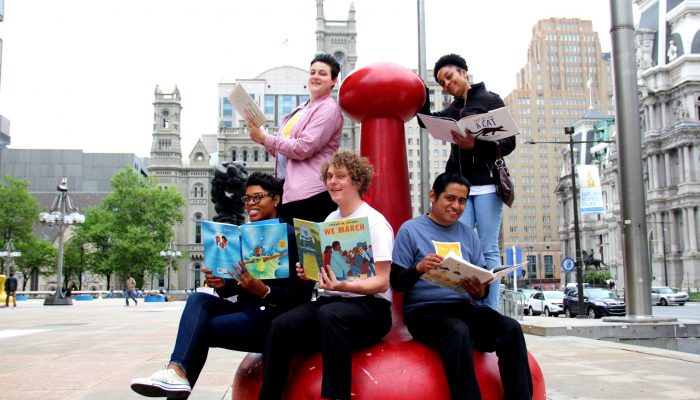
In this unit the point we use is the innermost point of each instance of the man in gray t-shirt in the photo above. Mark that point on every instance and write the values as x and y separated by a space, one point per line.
446 319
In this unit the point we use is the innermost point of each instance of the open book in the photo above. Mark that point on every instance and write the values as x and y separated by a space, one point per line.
453 268
491 126
245 105
345 245
262 246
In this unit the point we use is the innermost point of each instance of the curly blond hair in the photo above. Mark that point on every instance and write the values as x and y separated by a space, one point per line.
359 168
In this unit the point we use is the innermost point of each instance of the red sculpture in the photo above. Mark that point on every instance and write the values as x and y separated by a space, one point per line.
382 97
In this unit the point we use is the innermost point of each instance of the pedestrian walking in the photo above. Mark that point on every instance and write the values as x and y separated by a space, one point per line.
129 286
11 290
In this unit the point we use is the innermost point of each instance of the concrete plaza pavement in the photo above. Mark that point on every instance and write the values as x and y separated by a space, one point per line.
92 349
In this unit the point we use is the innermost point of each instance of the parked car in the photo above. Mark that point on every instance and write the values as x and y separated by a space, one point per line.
522 299
573 285
598 303
664 295
547 303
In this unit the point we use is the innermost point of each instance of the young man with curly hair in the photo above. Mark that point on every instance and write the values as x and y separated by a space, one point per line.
351 314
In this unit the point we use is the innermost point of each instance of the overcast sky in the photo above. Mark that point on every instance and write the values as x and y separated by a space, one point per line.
80 74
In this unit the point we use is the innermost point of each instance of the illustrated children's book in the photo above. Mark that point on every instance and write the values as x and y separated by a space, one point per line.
262 247
491 126
245 105
345 245
453 268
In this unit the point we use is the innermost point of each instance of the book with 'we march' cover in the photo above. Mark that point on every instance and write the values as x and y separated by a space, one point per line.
345 245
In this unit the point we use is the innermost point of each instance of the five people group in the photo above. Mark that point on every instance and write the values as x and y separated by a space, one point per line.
316 182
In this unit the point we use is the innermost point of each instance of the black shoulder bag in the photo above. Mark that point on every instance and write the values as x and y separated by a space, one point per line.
504 186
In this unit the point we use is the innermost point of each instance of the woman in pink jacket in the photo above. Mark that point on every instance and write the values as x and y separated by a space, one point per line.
305 139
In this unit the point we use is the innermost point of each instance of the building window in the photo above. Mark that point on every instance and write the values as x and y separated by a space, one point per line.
532 266
165 123
198 191
548 267
244 153
267 156
227 109
269 106
198 228
233 155
286 105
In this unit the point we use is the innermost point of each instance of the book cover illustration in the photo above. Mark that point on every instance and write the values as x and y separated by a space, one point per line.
491 126
345 245
264 250
222 247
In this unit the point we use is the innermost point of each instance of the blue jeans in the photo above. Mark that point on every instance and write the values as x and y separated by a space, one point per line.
484 212
129 294
209 321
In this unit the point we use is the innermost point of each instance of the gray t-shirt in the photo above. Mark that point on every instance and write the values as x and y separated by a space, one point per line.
421 236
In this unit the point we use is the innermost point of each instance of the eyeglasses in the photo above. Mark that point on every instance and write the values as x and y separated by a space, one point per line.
257 198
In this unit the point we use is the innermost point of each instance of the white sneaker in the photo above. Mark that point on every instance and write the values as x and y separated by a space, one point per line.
164 383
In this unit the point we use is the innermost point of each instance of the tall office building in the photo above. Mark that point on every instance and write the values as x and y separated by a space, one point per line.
566 75
439 150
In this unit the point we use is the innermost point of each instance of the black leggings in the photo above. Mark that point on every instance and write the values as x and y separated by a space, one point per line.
316 208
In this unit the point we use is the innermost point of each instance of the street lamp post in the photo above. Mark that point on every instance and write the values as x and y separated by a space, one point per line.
170 254
9 253
62 214
569 130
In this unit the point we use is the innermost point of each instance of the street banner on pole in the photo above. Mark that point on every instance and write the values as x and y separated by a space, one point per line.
591 193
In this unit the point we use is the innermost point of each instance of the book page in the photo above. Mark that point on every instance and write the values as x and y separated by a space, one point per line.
264 250
244 104
222 247
347 248
309 247
440 128
491 126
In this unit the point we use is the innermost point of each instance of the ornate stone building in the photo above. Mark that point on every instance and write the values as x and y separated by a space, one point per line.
277 91
668 71
669 92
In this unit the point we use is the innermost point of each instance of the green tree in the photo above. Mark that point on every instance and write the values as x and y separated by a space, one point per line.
74 260
38 258
131 225
597 277
19 211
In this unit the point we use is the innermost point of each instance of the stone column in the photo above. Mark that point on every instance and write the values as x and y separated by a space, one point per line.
664 119
667 170
651 170
658 233
687 167
673 224
684 216
692 232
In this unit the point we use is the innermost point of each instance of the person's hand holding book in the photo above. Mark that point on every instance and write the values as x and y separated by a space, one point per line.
257 133
212 281
329 281
246 281
474 287
429 263
466 141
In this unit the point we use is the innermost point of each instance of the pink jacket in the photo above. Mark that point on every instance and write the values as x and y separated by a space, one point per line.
313 140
